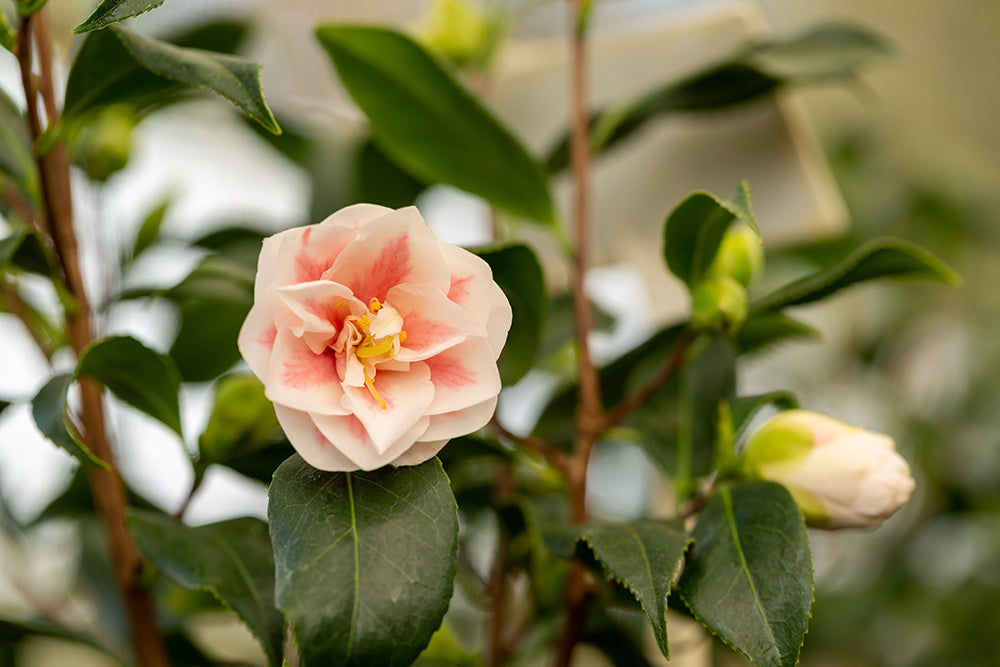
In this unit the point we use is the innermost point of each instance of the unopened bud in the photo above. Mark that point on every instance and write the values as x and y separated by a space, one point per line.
740 256
242 420
840 475
102 143
460 31
718 304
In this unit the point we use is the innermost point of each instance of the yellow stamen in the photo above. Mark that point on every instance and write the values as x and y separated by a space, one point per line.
374 392
370 349
402 336
364 322
375 305
340 304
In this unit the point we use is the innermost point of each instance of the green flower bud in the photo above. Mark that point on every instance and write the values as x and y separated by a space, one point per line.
718 304
460 31
102 142
740 256
840 475
242 420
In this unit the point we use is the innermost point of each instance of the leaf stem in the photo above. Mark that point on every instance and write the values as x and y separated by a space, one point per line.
106 485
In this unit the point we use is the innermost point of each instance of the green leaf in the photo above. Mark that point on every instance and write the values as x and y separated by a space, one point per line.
519 274
767 328
878 258
16 152
149 230
365 561
114 65
242 420
137 375
424 120
694 231
231 559
382 181
24 249
748 578
114 11
823 54
30 7
205 346
745 408
50 412
645 556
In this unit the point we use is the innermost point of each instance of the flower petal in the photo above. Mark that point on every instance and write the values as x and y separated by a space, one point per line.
319 309
419 452
471 278
406 396
302 380
351 438
500 320
463 375
400 249
257 336
461 422
432 322
310 443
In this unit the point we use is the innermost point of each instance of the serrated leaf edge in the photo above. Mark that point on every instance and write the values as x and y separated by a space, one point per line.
89 24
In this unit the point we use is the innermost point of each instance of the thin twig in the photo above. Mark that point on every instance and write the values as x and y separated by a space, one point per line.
538 445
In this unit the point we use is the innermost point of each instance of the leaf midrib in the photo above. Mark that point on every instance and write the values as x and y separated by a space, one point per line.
355 611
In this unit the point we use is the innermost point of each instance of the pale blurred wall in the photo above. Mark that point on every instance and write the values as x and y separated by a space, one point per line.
937 105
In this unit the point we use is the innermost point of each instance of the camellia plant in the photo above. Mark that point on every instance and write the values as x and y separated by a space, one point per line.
406 523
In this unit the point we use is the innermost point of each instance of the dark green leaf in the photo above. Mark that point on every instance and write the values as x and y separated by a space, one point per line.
878 258
24 249
749 578
16 153
424 120
823 54
216 279
365 561
764 329
242 420
382 181
262 463
49 411
3 406
694 230
76 501
240 245
745 408
205 346
117 65
519 274
231 559
221 36
113 11
149 230
644 556
146 380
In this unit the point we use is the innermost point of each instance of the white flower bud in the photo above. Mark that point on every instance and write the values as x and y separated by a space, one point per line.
840 475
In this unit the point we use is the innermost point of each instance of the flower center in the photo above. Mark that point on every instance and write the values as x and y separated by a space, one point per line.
376 337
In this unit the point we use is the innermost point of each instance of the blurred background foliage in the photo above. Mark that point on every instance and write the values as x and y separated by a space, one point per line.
915 150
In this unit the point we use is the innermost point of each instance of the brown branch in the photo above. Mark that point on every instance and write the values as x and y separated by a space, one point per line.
106 485
658 379
538 445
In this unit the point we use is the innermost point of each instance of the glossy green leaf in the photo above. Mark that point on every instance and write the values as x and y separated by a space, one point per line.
365 561
424 120
50 412
764 329
231 559
645 556
518 272
878 258
205 346
114 11
16 153
822 54
749 576
694 230
382 181
137 375
114 65
25 250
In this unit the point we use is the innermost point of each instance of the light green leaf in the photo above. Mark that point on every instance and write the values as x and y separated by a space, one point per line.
830 51
645 556
231 559
767 328
749 577
878 258
49 410
114 11
149 229
242 420
424 120
16 153
137 375
519 274
365 561
30 7
694 230
114 65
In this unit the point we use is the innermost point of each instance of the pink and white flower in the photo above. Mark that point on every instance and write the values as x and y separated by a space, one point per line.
376 342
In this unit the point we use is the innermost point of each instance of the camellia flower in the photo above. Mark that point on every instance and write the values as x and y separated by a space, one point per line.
376 342
840 475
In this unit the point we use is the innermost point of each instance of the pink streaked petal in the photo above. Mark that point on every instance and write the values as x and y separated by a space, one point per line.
432 323
310 443
462 376
500 320
318 310
471 278
419 452
406 397
350 437
399 249
460 422
302 380
303 253
257 336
